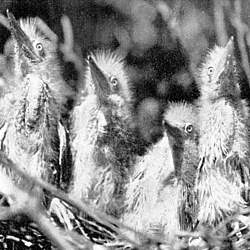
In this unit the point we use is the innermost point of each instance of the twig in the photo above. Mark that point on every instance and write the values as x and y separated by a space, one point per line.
67 48
220 27
67 33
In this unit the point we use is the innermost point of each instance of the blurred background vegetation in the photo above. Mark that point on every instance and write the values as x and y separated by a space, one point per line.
163 41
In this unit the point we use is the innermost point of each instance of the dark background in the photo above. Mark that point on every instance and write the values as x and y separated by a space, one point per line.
163 41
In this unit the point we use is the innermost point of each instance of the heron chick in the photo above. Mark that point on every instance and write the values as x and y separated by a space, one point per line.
160 195
30 111
104 144
223 176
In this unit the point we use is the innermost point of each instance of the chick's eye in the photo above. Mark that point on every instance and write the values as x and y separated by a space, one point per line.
114 81
188 128
39 46
210 71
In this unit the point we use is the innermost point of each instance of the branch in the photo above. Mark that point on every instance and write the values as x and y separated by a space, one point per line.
58 237
52 232
67 34
67 48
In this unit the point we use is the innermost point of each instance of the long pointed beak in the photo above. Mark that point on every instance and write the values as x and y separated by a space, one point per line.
229 51
172 131
176 143
226 57
100 80
230 46
22 39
